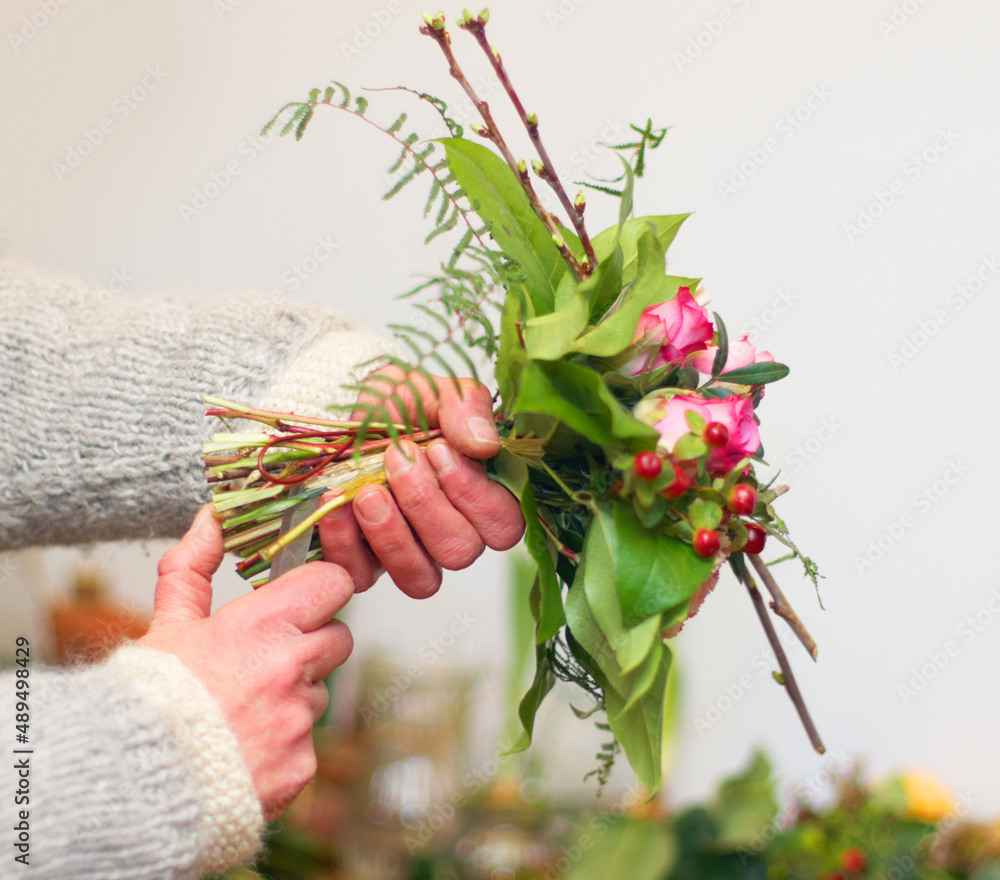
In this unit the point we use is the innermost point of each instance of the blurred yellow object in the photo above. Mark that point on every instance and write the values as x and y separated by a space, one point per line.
927 798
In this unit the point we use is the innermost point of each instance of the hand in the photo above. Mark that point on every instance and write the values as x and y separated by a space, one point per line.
276 645
441 509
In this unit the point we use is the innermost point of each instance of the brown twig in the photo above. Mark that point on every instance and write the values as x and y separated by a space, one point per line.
781 607
788 679
436 29
547 172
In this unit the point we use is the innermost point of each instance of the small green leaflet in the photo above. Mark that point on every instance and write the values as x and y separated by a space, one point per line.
755 374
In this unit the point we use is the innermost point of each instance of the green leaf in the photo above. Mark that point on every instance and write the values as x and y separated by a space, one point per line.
605 284
503 206
614 334
695 422
666 227
755 374
577 397
722 355
704 514
640 728
542 683
688 447
512 473
651 572
523 582
549 337
511 357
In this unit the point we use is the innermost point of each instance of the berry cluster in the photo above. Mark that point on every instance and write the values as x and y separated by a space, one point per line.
703 510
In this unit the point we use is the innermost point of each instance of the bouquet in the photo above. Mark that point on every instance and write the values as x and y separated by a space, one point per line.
628 415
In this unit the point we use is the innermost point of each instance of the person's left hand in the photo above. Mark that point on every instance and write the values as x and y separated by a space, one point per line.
441 509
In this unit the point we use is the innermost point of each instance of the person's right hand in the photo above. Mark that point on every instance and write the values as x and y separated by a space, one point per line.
263 657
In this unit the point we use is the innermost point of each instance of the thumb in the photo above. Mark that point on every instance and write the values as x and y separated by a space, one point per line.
184 586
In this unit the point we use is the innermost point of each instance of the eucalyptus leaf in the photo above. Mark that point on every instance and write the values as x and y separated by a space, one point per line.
755 374
501 203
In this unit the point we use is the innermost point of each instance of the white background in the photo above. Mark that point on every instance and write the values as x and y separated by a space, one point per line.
889 81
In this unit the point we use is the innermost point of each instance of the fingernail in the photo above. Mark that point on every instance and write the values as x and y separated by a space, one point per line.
399 459
441 458
201 518
373 506
484 430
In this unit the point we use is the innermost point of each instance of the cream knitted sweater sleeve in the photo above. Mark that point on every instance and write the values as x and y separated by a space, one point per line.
129 772
101 415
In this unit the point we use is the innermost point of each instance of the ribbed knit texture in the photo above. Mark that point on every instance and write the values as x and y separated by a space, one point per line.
112 795
101 416
231 819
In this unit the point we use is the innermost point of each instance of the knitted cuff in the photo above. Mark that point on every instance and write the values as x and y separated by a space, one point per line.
232 818
316 377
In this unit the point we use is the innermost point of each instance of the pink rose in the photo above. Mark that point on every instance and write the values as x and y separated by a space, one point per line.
741 354
735 412
678 328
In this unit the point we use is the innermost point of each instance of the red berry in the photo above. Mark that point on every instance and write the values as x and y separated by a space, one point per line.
706 542
756 536
680 485
716 435
648 465
853 860
742 499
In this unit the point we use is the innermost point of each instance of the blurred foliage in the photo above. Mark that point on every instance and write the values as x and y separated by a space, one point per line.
906 828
